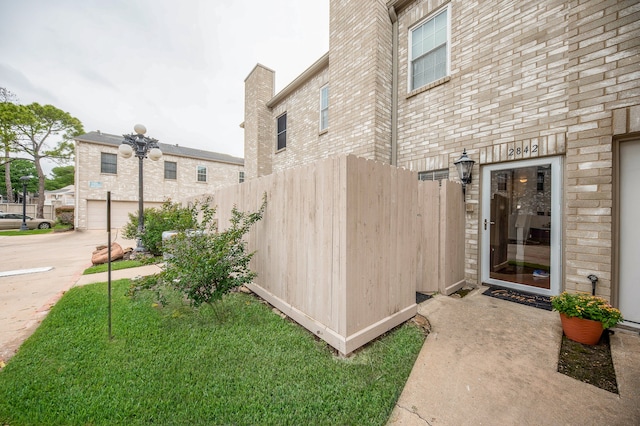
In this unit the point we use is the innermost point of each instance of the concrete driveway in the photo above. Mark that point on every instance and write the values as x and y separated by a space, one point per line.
25 298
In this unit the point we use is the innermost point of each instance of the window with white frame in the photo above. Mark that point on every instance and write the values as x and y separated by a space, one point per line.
170 170
201 173
324 107
240 177
108 163
429 50
282 132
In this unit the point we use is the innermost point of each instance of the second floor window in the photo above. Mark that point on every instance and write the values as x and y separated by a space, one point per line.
324 108
108 163
240 177
201 172
170 170
429 50
282 132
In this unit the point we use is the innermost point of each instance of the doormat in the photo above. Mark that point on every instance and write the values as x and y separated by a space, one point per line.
589 363
529 299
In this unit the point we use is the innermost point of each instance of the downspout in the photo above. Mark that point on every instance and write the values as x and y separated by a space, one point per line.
394 86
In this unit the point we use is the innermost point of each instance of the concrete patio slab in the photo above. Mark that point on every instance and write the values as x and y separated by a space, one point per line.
494 362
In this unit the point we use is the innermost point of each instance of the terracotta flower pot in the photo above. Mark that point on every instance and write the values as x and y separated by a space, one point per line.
581 330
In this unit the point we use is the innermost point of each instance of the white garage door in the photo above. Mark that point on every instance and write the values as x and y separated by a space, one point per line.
97 213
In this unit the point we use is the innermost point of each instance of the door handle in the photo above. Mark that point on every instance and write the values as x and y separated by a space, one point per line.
490 223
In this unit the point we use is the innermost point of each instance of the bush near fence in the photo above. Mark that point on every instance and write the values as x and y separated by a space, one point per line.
65 215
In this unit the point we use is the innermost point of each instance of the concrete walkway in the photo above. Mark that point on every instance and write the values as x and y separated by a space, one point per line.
141 271
493 362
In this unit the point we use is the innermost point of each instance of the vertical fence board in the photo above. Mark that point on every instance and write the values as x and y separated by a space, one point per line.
428 245
451 237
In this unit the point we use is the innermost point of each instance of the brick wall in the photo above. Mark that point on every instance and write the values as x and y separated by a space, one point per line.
305 142
360 79
604 60
507 87
548 73
258 122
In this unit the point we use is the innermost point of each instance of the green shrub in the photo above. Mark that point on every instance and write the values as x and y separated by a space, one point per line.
65 215
205 265
170 217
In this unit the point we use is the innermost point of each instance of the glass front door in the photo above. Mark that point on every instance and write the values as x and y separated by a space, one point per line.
520 225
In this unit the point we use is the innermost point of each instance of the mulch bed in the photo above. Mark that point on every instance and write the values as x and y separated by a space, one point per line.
589 363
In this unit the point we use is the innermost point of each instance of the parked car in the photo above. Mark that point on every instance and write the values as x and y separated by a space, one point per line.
14 221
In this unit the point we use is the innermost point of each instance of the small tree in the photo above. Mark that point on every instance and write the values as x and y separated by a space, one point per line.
205 264
170 217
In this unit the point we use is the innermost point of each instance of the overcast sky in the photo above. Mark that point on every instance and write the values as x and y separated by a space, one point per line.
176 66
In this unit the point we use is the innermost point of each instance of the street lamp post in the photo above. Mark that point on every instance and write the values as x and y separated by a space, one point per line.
140 145
25 180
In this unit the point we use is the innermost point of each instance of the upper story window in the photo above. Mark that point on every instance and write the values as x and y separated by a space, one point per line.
240 177
170 170
429 53
282 132
108 163
201 173
324 107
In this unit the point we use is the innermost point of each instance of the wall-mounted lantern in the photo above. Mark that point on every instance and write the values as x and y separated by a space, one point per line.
464 165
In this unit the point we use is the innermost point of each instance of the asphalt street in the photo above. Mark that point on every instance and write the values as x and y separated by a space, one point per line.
35 270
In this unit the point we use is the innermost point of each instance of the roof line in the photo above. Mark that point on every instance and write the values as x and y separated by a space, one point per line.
316 67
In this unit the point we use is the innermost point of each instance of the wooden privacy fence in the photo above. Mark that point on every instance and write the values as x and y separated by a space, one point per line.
48 211
345 243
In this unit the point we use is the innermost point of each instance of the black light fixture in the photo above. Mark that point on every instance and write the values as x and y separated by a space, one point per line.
464 165
25 180
140 145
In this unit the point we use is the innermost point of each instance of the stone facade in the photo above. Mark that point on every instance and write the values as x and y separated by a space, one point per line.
525 80
92 185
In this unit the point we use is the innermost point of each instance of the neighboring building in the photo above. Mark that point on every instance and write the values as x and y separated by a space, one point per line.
180 174
544 96
60 197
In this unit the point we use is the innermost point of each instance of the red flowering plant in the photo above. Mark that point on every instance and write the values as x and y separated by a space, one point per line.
582 305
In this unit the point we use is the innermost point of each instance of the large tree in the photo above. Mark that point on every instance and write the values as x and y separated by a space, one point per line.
21 167
8 108
34 125
60 177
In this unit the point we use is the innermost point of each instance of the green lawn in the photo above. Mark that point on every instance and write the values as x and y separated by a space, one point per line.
176 365
16 232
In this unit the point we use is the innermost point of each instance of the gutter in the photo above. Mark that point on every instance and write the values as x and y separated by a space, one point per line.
394 86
